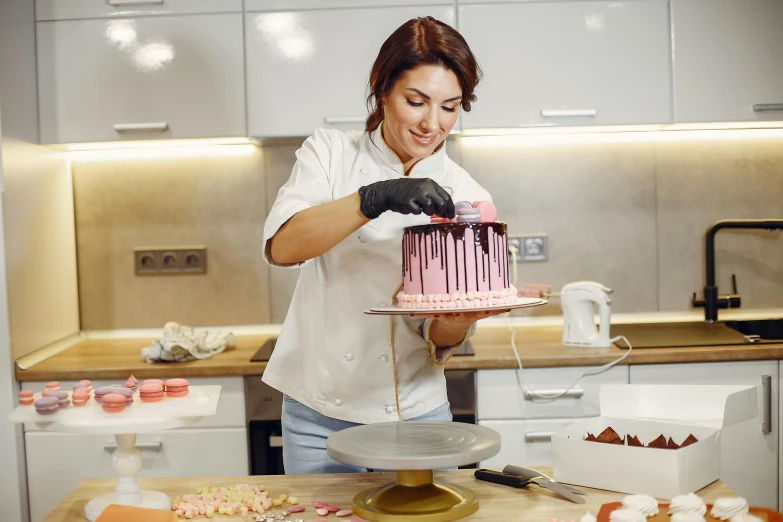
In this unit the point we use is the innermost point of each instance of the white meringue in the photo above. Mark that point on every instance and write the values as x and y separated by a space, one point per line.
644 504
589 517
689 503
687 516
626 515
726 508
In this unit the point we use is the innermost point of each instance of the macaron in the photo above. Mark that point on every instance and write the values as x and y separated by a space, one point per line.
62 398
87 384
47 405
462 206
152 381
105 390
177 387
80 397
53 386
26 398
79 386
487 211
151 392
113 402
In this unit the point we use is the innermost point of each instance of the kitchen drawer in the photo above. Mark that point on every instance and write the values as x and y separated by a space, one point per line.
58 462
74 9
524 442
500 398
143 78
286 5
230 412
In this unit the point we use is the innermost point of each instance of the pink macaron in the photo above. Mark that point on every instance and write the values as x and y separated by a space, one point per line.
113 403
80 397
53 386
487 211
26 398
151 392
177 387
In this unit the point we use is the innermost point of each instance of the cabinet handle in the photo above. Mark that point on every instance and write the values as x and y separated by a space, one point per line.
152 446
132 2
568 113
538 436
573 393
764 107
130 127
766 387
344 119
275 441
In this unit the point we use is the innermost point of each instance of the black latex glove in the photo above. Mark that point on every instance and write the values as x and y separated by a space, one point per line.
405 196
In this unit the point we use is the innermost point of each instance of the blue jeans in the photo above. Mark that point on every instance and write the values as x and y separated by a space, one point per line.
305 432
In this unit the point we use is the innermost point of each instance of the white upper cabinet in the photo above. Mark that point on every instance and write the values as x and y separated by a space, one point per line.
570 63
290 5
728 64
141 78
310 69
74 9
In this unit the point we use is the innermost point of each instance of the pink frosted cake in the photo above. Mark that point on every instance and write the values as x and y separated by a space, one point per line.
455 265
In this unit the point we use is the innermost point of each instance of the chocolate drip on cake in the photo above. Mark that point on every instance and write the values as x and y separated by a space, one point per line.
439 247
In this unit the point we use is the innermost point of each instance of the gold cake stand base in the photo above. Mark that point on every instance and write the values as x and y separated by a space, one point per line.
415 496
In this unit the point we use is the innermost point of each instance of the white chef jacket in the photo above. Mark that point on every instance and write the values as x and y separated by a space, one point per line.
330 356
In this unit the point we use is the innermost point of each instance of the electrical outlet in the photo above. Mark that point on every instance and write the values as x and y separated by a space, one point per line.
170 260
530 247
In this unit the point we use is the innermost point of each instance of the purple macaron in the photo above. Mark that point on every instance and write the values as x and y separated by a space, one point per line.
125 392
46 405
62 398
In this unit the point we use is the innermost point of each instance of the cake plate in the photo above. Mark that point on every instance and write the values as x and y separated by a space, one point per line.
414 449
140 417
521 302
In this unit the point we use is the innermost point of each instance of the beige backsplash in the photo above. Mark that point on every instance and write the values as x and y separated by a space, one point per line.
630 215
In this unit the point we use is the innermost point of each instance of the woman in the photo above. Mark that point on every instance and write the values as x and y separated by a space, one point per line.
340 218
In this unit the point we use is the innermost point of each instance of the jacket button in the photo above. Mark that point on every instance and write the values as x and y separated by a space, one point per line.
389 409
363 171
338 402
383 359
349 357
362 239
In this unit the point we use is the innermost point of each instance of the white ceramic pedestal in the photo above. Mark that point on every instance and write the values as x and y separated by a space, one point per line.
126 460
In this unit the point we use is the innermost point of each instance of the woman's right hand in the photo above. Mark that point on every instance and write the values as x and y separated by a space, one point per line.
405 196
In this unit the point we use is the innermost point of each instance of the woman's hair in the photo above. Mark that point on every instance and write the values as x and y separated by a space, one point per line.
421 41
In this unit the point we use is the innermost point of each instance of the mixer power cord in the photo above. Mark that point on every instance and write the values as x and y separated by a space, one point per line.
547 397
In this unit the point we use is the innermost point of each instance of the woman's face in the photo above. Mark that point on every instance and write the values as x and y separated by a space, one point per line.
420 111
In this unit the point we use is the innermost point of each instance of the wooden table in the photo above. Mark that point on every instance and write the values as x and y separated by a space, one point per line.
497 503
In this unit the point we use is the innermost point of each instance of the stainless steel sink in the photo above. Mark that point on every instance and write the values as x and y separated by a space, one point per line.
759 330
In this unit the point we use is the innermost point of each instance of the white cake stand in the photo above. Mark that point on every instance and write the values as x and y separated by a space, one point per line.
140 417
414 449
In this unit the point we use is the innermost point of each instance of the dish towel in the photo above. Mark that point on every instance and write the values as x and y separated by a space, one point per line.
181 343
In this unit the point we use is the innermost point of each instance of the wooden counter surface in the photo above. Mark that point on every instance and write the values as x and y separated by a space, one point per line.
497 503
538 347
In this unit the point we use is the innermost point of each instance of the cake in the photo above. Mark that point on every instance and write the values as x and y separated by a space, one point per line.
460 263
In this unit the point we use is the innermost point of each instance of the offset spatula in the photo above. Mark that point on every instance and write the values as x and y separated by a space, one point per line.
537 478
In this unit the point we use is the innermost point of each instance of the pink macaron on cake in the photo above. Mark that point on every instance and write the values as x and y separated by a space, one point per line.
177 387
457 263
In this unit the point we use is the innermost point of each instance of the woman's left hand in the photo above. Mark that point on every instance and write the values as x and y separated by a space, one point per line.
448 329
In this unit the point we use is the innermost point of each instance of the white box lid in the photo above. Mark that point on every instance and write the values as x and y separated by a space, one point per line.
704 405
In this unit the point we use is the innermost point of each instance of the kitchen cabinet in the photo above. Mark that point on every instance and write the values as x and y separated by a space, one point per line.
569 63
727 60
76 9
499 396
524 442
760 485
58 462
141 78
290 5
310 69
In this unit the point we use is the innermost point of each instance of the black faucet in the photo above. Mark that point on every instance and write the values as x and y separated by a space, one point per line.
711 301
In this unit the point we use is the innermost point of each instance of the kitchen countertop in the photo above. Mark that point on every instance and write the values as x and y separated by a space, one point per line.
538 346
497 503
